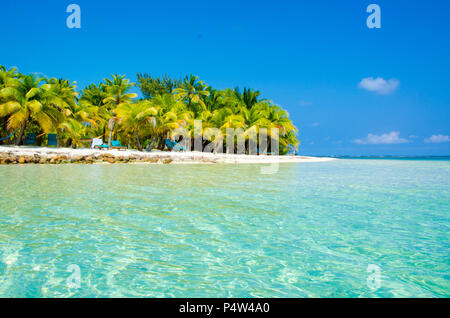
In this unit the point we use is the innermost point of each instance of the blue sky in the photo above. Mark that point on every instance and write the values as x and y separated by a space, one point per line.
307 56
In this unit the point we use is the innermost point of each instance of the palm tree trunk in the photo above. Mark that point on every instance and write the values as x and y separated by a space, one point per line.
21 132
161 143
58 133
111 132
138 143
154 140
4 126
4 121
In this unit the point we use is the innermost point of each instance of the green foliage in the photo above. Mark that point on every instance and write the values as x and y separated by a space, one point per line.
110 110
154 86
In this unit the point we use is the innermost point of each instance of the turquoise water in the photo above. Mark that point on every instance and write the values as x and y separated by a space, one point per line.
311 230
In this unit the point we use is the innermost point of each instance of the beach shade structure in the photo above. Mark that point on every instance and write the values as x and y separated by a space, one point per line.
31 139
9 137
52 140
173 145
115 144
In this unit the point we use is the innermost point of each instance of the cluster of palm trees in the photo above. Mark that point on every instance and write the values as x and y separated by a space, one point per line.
29 103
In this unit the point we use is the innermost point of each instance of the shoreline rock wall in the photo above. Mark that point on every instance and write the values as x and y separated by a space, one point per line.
11 158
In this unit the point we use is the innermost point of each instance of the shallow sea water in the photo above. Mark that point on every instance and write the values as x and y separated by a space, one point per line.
310 230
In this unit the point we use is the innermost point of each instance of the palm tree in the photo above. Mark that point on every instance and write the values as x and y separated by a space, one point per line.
265 115
29 103
61 94
93 95
91 111
6 76
214 100
153 86
249 97
134 117
117 92
26 100
6 79
172 114
192 91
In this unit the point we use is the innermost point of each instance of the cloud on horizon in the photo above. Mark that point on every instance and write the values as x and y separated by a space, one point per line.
437 139
391 138
379 85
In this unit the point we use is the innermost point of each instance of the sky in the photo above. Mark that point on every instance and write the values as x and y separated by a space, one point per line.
349 89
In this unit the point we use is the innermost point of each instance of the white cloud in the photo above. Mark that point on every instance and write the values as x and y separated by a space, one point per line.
379 85
385 139
437 139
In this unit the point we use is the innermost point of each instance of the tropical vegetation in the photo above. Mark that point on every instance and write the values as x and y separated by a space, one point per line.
112 111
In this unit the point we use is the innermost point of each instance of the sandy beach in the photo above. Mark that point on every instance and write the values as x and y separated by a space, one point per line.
23 154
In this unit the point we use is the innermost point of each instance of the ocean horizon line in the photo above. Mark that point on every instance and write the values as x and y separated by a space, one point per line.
387 157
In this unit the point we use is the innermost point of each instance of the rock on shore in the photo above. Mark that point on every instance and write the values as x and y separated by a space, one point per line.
10 155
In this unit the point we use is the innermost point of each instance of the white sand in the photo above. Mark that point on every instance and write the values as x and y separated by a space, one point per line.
177 157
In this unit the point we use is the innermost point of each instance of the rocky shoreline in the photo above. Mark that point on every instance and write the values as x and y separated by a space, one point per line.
94 158
10 155
64 159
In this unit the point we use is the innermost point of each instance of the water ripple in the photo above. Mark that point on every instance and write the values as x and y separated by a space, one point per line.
226 230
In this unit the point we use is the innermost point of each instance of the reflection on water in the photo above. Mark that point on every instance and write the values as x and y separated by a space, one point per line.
310 230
